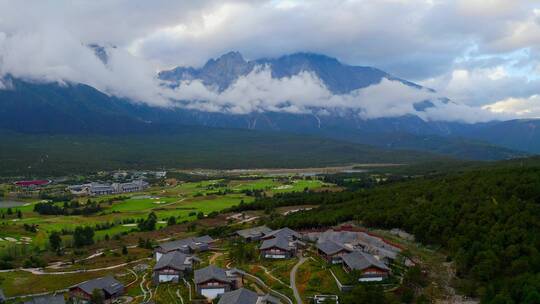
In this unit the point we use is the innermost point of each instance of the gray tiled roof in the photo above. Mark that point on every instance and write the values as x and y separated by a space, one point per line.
109 284
279 242
210 272
283 232
358 260
254 232
369 243
51 299
239 296
175 260
188 243
340 237
330 247
204 239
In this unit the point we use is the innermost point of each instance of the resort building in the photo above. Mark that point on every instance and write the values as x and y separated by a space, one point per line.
278 248
332 251
213 281
110 288
95 189
253 234
285 233
187 246
367 266
173 266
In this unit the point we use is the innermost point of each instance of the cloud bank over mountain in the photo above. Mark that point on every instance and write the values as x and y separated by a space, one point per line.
304 93
444 45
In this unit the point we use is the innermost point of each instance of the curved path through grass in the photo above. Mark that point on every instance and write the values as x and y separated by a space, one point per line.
297 296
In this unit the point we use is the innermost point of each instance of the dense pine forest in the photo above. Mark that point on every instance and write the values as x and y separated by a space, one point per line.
486 220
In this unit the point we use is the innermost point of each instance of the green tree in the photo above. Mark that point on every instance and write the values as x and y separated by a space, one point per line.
55 240
83 236
97 297
124 250
149 224
242 252
362 294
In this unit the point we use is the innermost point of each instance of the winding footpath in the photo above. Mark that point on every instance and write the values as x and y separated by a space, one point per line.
261 283
214 257
39 271
143 289
297 296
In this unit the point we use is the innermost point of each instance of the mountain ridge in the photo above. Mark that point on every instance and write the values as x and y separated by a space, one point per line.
338 77
73 108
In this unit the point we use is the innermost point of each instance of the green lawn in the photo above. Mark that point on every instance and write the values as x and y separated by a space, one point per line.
134 204
133 209
313 277
298 186
258 184
183 202
22 282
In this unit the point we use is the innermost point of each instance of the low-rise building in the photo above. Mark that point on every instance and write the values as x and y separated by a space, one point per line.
173 266
134 186
363 241
278 248
332 251
285 233
368 268
246 296
95 189
253 234
187 246
32 184
110 288
213 281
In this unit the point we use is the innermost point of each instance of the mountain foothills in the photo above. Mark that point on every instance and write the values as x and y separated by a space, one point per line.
33 107
185 147
486 219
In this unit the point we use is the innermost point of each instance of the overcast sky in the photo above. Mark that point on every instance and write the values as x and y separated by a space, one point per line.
480 53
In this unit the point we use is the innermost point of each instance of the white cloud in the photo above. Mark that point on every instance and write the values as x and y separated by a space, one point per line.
480 86
124 75
443 44
520 107
306 93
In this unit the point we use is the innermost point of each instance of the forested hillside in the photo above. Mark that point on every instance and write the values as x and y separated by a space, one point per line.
187 147
486 220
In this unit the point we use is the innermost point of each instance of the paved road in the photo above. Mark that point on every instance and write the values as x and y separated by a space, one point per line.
297 296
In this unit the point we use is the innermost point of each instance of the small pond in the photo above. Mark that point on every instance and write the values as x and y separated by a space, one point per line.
8 203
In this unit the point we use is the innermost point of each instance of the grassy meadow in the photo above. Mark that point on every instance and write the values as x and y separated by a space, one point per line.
183 201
